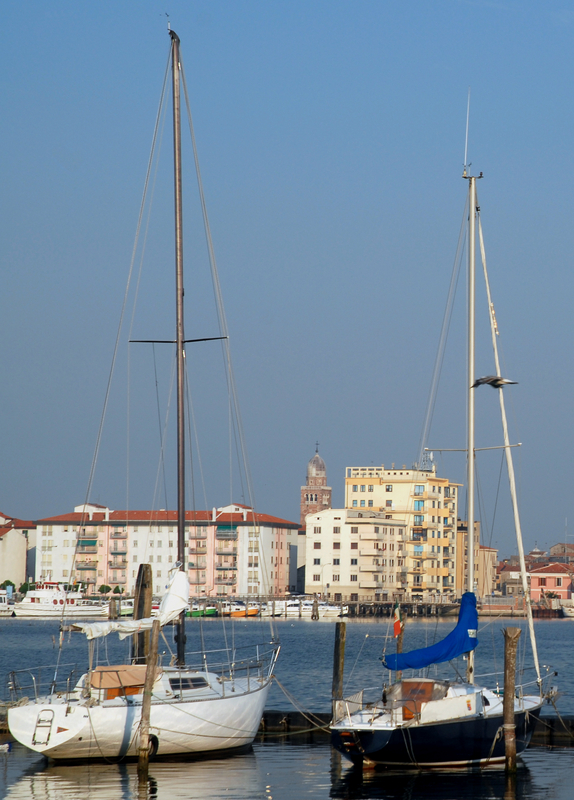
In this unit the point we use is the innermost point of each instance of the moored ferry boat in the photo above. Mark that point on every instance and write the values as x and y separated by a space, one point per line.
51 599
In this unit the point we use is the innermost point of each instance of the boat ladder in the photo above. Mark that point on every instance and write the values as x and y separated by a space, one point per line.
43 727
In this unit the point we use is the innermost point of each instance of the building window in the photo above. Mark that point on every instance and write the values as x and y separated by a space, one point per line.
354 545
336 577
419 489
370 503
316 561
354 504
353 577
542 581
354 597
389 504
371 487
419 519
316 530
316 545
388 487
419 505
135 542
354 562
336 530
363 487
316 578
558 581
355 488
336 545
354 529
362 503
337 561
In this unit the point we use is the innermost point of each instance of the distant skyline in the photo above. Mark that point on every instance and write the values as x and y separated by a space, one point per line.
331 141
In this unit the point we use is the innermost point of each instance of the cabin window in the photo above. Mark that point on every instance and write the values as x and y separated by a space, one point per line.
187 683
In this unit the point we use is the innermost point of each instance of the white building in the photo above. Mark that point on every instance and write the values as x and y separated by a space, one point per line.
17 546
355 555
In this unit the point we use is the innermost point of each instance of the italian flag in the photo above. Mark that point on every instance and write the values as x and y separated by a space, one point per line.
397 621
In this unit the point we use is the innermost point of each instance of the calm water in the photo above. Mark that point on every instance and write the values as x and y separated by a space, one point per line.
288 769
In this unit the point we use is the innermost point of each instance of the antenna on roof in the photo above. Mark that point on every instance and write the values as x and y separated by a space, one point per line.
466 165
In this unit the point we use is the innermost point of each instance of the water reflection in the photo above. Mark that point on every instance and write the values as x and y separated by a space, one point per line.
354 784
237 777
283 769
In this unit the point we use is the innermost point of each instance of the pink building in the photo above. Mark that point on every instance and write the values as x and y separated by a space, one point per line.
551 579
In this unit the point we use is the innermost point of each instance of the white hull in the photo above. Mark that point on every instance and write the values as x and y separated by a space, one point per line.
73 730
41 610
568 611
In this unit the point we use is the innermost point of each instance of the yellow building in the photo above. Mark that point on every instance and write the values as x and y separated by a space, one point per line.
428 506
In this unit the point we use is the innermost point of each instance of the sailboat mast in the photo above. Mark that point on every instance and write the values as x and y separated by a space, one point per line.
180 354
470 381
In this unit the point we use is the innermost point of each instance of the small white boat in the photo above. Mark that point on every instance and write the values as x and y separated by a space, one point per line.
303 608
52 599
6 610
568 611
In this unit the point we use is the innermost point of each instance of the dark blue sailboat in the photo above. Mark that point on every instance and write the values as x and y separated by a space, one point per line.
422 722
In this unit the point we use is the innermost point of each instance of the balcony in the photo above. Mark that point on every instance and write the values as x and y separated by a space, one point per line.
118 563
370 585
80 565
198 535
370 568
226 581
195 581
198 549
225 551
226 565
120 550
119 535
85 550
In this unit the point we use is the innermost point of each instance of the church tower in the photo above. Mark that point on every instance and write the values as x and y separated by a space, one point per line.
315 495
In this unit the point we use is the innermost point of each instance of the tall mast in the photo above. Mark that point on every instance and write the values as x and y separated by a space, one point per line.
179 336
470 381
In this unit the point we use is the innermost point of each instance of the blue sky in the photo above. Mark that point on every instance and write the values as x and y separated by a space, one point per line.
331 140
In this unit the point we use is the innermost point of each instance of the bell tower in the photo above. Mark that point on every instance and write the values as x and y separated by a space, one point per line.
315 495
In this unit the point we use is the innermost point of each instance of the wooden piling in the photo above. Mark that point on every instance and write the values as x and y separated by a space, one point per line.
143 750
315 611
338 662
142 610
511 636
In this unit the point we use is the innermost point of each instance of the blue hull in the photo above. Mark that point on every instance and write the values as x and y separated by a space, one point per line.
462 743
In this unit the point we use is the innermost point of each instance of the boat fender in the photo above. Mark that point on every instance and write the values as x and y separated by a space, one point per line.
153 746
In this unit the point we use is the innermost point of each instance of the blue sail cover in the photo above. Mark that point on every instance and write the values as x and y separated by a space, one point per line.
460 640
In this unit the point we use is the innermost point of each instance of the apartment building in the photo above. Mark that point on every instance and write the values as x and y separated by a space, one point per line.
426 505
230 550
355 555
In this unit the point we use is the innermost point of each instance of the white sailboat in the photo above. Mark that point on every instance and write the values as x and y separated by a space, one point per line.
211 706
420 722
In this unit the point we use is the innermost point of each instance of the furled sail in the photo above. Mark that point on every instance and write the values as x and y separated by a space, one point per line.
461 640
173 602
